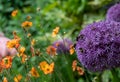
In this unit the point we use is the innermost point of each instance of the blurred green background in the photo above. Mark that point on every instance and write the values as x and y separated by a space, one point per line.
47 14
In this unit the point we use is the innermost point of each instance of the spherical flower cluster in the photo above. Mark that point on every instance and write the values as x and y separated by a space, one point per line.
113 13
63 46
98 46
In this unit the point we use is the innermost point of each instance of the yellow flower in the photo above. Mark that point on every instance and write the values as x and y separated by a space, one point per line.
14 13
51 50
52 65
24 58
55 31
71 49
17 78
13 43
6 62
80 70
34 72
46 68
22 50
49 68
5 79
74 65
26 24
42 65
33 42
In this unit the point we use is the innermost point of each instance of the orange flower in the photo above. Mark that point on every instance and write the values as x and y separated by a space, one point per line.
22 50
33 42
17 78
34 72
5 79
55 31
24 58
71 49
52 65
57 44
15 35
6 62
49 68
26 24
28 35
32 50
46 68
74 65
13 43
28 17
14 13
80 70
51 50
42 65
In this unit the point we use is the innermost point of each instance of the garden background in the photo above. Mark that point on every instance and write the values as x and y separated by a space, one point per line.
70 16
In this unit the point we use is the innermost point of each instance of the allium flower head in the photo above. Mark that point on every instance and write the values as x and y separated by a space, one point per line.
63 46
98 46
113 13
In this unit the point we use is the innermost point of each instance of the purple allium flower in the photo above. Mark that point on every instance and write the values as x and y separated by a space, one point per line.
63 46
98 46
113 13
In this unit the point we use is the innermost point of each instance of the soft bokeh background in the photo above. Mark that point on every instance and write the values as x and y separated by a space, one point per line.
70 15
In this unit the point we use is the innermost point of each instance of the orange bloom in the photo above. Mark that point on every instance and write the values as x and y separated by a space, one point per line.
14 13
80 70
22 50
55 31
28 17
28 35
24 58
52 65
57 44
15 35
46 68
34 72
74 65
26 24
33 42
17 78
51 50
42 65
71 49
13 43
6 62
5 79
32 50
49 68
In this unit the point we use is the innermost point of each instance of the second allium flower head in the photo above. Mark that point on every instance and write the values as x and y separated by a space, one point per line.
63 46
113 13
98 44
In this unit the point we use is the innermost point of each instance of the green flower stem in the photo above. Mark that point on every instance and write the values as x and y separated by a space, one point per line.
115 77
